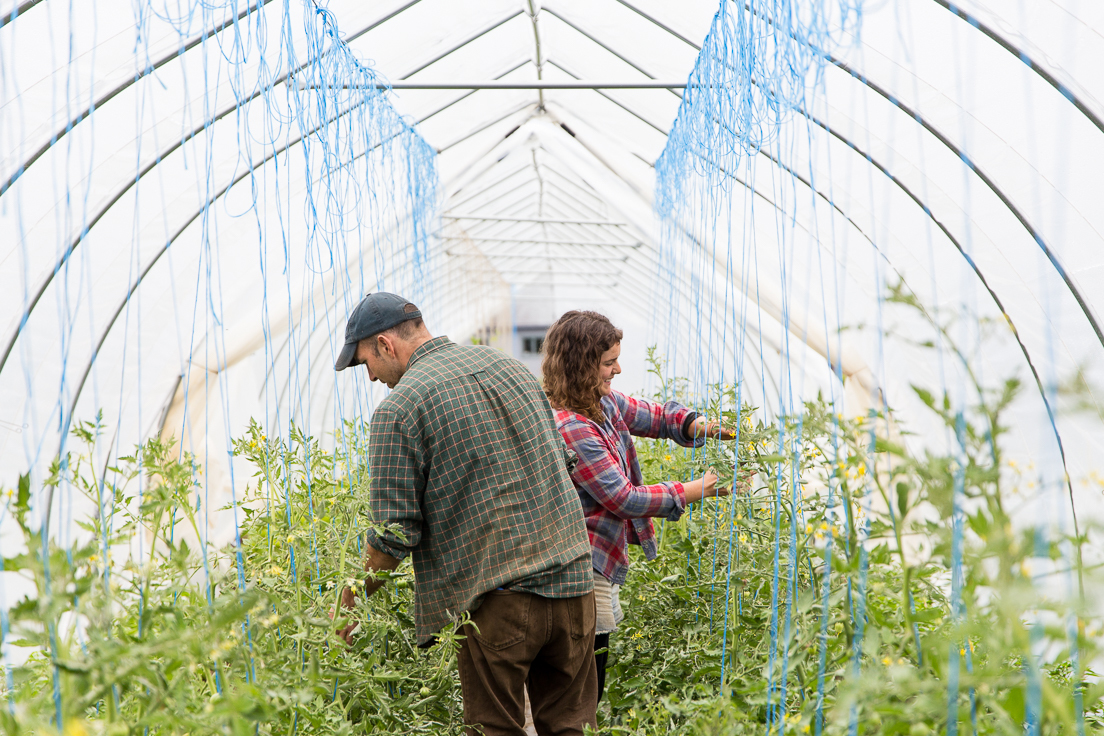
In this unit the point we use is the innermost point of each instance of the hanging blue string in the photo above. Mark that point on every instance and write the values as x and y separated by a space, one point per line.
758 64
957 609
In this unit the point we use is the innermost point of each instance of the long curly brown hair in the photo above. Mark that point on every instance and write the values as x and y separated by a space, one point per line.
573 351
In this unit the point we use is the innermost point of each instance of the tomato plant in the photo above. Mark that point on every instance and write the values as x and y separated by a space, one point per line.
855 587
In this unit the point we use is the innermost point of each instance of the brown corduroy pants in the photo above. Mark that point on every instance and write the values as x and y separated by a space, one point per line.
524 638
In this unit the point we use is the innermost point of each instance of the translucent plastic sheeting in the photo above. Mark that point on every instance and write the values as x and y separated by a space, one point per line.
946 164
929 154
184 217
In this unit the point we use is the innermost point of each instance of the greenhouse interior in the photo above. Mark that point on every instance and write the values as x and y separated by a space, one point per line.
855 238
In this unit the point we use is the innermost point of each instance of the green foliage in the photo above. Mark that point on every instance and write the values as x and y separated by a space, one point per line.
167 639
884 537
843 547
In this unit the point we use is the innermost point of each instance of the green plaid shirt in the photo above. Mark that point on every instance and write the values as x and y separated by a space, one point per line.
468 467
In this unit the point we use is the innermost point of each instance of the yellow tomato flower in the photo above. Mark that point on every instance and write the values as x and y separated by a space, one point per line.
75 728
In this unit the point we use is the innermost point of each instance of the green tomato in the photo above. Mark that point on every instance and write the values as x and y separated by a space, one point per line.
919 729
424 691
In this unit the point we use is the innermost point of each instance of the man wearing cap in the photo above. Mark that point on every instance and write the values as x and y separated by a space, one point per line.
469 475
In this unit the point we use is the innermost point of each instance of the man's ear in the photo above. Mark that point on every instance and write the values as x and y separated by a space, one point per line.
386 345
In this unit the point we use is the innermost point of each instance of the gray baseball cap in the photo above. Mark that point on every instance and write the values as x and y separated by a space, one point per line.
375 313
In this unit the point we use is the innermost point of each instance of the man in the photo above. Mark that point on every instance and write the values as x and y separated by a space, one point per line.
469 476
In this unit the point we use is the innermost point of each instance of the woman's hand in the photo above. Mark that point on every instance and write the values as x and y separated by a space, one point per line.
702 427
717 431
703 487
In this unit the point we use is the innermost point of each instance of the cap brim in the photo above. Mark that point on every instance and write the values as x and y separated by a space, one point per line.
346 357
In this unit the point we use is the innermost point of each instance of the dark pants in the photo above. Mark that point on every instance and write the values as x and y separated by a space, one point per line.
524 638
601 642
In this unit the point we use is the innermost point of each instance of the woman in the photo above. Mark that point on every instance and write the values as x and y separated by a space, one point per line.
581 353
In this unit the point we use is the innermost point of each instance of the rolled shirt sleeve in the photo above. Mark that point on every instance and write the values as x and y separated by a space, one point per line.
398 483
667 421
600 475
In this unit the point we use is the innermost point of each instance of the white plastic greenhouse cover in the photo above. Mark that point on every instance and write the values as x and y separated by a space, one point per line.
187 213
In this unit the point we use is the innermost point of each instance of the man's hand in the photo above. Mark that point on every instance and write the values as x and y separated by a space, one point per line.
348 603
376 561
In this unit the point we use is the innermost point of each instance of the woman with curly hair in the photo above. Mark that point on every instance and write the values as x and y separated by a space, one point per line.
581 352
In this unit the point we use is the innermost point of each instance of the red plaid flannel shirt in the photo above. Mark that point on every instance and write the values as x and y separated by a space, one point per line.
617 506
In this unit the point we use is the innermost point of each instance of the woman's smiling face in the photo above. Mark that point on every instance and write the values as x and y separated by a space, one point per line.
608 367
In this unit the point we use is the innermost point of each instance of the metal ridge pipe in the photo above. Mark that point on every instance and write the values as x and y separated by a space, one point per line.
538 84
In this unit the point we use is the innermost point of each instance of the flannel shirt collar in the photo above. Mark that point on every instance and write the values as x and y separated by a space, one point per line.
426 348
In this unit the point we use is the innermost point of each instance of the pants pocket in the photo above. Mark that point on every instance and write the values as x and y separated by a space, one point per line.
503 619
582 615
